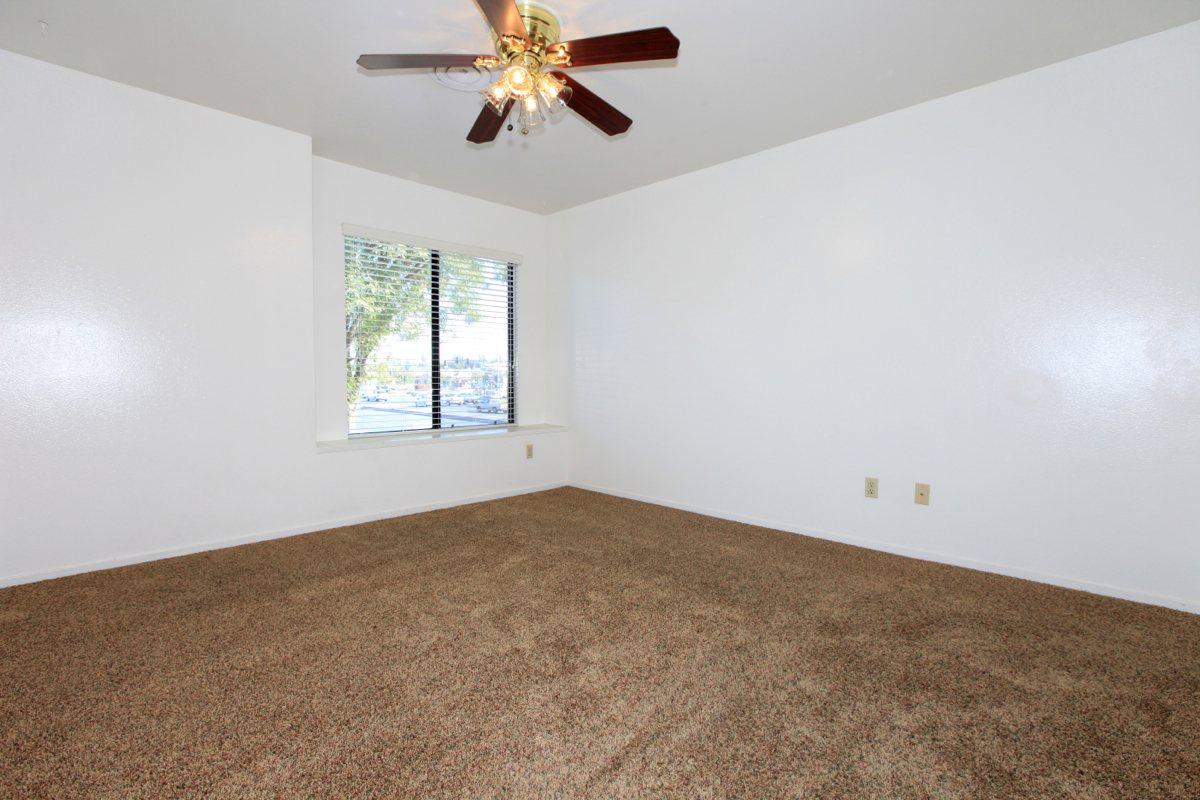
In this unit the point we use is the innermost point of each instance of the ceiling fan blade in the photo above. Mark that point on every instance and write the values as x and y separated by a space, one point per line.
504 18
645 45
488 124
588 105
411 60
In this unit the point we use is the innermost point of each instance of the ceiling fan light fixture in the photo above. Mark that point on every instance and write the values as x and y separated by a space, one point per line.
496 96
555 93
529 50
519 80
530 113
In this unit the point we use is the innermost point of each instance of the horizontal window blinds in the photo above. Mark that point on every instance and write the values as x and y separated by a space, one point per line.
429 338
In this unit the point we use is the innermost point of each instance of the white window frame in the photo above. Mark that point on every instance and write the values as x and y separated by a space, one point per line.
514 259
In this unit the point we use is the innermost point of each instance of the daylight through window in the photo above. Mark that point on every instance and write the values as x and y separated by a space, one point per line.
429 338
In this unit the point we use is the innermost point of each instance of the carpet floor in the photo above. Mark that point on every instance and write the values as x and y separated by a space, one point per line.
568 644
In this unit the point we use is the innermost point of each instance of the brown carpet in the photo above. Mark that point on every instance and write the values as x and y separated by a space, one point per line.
568 644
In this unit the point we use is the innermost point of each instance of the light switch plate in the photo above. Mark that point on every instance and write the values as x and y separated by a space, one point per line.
529 451
921 496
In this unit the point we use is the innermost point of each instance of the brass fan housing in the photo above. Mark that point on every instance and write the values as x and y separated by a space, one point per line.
544 30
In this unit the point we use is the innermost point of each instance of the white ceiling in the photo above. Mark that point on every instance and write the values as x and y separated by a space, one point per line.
748 76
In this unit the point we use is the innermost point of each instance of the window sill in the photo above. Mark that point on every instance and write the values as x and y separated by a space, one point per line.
431 437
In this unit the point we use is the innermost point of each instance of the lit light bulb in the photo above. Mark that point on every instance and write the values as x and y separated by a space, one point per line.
519 80
550 85
496 96
555 93
530 115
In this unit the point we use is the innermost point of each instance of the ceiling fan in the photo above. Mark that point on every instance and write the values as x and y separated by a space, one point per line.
532 57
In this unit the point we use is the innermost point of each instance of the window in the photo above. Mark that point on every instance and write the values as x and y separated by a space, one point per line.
429 337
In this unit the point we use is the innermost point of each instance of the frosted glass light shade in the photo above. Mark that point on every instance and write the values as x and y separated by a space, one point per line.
555 94
530 115
496 96
519 80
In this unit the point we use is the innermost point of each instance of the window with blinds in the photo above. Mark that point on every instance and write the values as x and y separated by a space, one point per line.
429 338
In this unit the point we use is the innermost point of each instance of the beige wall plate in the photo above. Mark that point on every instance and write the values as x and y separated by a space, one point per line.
921 496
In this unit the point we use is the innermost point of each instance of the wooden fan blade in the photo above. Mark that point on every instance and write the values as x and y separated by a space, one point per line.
504 18
488 124
412 60
588 105
646 45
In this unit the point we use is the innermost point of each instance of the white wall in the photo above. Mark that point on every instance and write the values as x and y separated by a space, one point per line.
157 331
997 293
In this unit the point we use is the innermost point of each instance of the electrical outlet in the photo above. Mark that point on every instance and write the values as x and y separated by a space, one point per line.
921 497
529 451
872 488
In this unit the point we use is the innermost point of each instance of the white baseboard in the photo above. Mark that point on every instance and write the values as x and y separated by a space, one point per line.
871 544
1176 603
217 544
